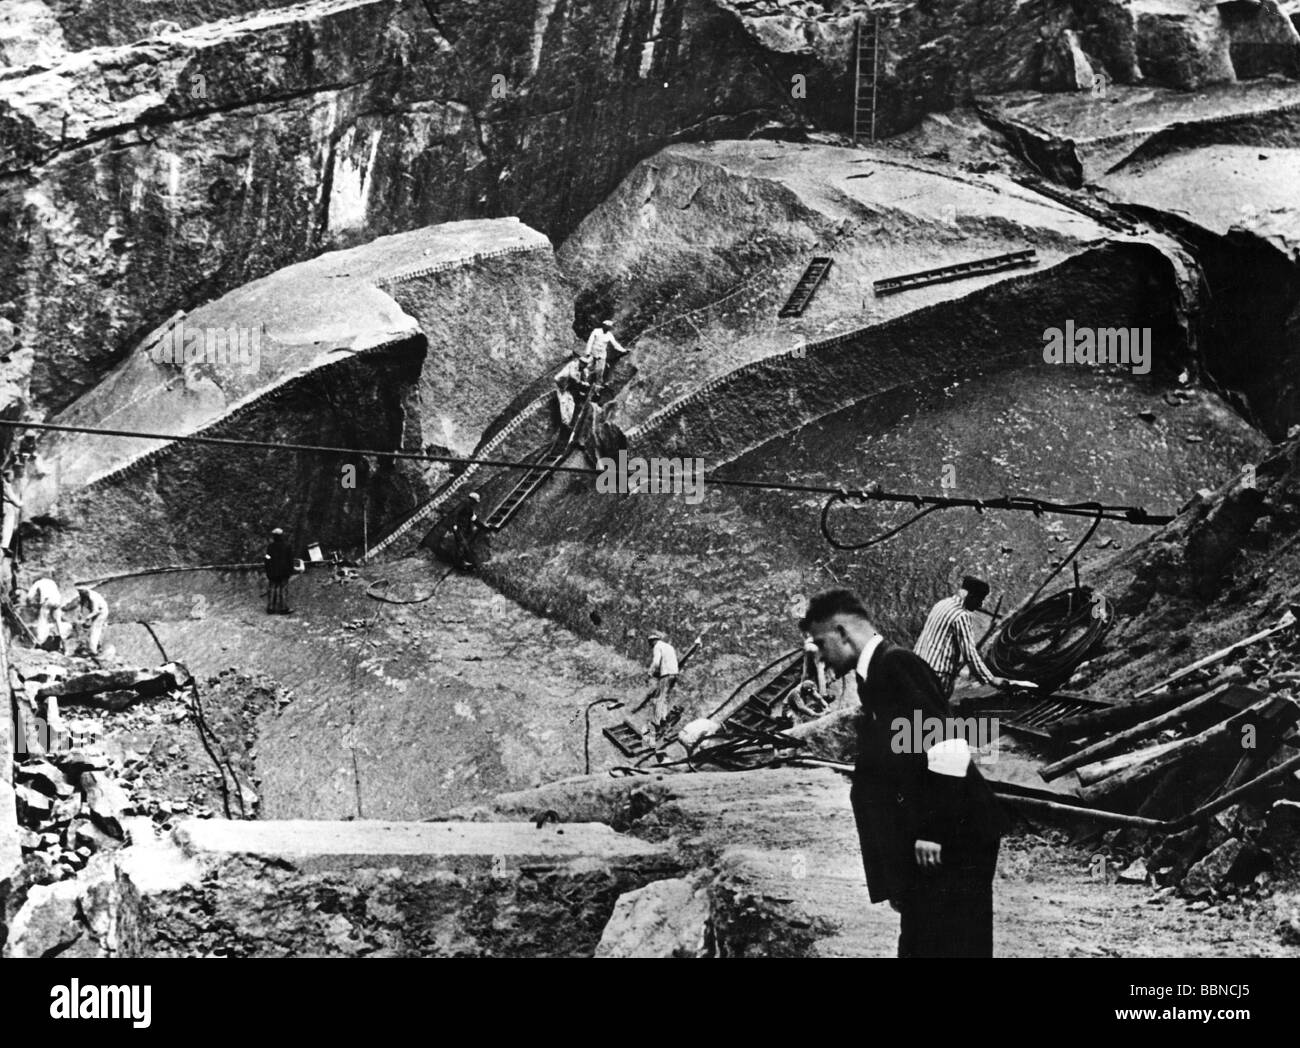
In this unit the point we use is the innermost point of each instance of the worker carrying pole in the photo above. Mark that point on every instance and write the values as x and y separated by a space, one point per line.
947 641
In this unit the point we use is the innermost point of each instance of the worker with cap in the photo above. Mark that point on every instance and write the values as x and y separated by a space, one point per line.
45 598
93 610
663 677
599 342
279 566
572 382
465 527
947 641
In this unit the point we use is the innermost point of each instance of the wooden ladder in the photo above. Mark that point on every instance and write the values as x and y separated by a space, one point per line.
864 88
806 286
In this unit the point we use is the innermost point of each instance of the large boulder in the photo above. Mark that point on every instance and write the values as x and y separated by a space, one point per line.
664 919
1182 45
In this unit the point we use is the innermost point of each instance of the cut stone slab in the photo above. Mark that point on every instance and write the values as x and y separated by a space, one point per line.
487 847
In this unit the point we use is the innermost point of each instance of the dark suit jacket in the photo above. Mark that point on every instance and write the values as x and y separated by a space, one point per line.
896 799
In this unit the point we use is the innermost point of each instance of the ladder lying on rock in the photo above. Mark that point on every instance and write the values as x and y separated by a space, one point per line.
806 287
960 270
864 84
760 711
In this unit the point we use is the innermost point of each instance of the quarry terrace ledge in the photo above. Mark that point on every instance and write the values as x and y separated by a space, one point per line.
318 846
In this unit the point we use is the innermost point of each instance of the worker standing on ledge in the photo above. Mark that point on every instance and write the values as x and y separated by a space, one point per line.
948 640
279 566
464 529
663 675
599 342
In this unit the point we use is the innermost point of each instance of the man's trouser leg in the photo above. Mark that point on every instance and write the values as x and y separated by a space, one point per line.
41 631
659 704
96 634
949 913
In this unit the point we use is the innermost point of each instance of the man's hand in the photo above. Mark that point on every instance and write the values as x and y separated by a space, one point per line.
927 853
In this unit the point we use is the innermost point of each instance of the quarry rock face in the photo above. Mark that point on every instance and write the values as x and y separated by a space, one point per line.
271 889
221 151
414 341
148 177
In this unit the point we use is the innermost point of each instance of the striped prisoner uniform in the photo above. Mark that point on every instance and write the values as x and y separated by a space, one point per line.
947 641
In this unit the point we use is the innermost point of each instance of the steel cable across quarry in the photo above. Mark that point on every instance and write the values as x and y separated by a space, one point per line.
1127 514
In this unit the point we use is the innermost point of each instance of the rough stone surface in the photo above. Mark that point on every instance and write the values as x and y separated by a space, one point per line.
318 846
430 336
1213 871
47 923
668 918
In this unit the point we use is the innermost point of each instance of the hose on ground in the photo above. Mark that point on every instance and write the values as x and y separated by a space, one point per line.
370 591
1046 641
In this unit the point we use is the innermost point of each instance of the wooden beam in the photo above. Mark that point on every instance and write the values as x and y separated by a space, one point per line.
1220 734
1122 739
1090 774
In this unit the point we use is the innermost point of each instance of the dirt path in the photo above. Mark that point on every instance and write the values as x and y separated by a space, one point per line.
788 837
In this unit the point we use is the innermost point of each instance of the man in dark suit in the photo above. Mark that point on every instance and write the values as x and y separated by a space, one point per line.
928 823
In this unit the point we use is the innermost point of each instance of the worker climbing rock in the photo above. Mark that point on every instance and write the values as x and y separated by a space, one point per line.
572 384
947 641
93 615
279 566
663 678
599 343
50 627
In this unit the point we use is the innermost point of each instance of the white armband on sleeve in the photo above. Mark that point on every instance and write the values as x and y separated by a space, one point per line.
949 757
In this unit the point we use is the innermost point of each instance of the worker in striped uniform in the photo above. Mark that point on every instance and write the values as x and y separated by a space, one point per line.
948 640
